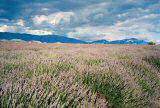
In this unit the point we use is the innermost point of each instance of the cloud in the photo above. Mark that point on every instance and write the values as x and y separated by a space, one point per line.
21 22
23 29
109 33
45 9
142 28
144 19
39 32
56 19
4 20
158 41
39 19
91 33
6 28
83 19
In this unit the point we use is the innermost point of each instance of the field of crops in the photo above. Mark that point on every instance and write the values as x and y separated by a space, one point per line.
36 75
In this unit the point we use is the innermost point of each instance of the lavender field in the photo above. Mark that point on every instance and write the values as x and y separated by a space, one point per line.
58 75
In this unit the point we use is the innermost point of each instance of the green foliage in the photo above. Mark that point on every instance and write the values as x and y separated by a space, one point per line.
28 74
92 62
62 66
145 86
9 67
34 99
54 70
151 43
112 87
42 69
123 57
153 61
147 80
12 56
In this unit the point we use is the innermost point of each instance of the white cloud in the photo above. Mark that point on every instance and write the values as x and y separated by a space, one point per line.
158 41
56 19
140 28
91 33
6 28
4 20
39 19
45 9
143 19
21 22
38 32
90 14
23 29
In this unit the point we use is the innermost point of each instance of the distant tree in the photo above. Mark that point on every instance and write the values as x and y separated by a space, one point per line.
151 43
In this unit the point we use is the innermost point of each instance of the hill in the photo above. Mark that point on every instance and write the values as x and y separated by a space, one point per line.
130 41
46 38
100 42
4 36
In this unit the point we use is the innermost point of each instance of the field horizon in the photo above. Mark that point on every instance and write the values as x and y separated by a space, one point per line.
60 75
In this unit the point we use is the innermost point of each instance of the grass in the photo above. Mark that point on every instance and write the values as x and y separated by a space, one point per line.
113 88
94 62
62 66
106 85
153 61
9 68
37 98
53 70
49 75
148 81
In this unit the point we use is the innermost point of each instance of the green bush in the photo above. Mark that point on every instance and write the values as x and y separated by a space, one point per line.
151 43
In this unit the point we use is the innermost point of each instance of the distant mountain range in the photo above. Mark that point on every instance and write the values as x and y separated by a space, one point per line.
46 38
130 41
100 42
63 39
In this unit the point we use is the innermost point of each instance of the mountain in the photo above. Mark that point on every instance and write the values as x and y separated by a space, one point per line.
46 38
123 41
4 36
129 41
100 42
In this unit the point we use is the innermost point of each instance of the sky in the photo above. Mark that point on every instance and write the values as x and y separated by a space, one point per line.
86 20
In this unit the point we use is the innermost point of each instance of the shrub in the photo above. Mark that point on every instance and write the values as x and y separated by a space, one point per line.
151 43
